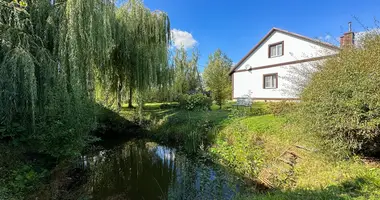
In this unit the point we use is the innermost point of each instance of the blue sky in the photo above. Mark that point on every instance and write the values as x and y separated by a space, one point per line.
235 26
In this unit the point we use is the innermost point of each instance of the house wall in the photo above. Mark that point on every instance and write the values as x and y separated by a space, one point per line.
295 50
251 82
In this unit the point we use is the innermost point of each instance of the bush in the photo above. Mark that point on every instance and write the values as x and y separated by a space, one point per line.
281 108
257 109
195 102
342 100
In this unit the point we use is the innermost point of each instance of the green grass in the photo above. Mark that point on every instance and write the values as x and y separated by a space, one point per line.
316 175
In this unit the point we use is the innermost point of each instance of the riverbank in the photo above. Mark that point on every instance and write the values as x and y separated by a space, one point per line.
267 150
26 173
262 149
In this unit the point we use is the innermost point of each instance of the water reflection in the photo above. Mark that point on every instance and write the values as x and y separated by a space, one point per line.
145 170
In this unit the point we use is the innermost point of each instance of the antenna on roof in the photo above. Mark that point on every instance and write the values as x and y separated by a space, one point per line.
349 26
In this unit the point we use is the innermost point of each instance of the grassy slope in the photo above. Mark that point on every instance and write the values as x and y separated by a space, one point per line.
317 174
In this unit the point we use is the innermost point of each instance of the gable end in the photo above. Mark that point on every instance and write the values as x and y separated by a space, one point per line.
324 44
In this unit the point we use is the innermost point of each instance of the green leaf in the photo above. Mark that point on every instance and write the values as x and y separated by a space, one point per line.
23 4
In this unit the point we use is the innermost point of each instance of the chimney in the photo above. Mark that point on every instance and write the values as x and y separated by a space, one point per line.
347 40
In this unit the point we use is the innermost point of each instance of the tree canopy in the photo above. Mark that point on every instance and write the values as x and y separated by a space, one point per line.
186 75
216 77
59 59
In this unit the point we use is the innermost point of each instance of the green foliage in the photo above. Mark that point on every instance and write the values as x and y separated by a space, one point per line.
342 102
25 179
168 106
46 92
57 60
242 144
318 174
238 150
18 176
195 102
192 131
198 137
360 188
216 77
240 112
139 57
256 109
282 107
186 75
246 112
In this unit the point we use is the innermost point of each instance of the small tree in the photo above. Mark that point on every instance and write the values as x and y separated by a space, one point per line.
216 77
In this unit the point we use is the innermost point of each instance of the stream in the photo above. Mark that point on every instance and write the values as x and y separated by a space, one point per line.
138 169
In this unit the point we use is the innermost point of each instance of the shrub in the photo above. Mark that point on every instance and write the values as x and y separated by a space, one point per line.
257 109
281 108
195 102
342 100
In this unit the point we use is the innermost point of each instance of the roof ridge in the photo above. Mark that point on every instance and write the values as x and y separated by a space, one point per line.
286 32
308 38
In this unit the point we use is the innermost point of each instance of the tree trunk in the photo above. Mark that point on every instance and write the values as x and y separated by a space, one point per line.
120 87
130 97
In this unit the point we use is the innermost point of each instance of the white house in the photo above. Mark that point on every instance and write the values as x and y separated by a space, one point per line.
263 74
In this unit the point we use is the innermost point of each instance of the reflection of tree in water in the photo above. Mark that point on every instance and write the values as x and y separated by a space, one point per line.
197 181
131 172
140 170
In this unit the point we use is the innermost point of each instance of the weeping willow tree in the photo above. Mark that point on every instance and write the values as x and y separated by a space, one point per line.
140 56
49 53
183 77
186 72
56 54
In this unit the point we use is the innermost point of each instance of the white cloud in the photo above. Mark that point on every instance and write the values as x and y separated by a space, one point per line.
183 38
327 37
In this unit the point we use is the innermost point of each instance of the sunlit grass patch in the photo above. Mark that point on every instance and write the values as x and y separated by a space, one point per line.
317 173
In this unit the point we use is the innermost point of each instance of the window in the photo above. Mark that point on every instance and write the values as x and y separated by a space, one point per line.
270 81
276 50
